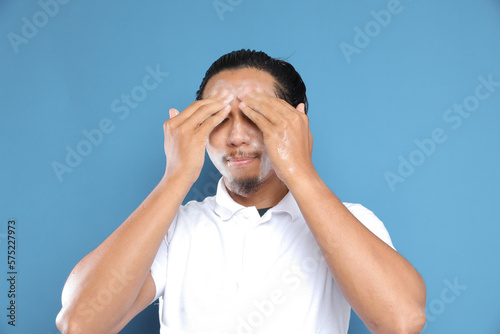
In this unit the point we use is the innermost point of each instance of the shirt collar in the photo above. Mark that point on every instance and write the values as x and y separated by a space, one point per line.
225 207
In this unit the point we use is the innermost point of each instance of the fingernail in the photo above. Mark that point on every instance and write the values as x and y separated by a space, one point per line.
229 99
246 90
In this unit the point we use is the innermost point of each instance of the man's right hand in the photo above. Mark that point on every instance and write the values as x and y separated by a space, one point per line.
186 134
132 247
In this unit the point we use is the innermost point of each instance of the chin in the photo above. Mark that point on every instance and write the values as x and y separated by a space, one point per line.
246 185
243 186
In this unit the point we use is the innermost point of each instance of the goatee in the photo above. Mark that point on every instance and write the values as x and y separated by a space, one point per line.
244 187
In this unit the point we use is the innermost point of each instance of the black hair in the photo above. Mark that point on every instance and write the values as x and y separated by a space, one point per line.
289 84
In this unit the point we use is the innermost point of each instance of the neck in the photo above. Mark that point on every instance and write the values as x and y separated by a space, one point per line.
270 192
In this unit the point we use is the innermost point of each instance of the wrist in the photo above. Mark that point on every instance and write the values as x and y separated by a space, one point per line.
295 175
297 179
182 175
179 181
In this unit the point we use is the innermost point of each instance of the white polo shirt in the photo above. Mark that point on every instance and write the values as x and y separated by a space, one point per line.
223 269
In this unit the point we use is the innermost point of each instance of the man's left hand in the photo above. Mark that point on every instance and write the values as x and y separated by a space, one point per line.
286 132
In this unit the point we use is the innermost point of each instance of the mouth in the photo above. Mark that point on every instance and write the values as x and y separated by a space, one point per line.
240 161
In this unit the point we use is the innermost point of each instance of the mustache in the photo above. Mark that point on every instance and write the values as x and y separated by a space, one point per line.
241 153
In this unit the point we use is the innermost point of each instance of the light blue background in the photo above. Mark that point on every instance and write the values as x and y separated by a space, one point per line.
364 115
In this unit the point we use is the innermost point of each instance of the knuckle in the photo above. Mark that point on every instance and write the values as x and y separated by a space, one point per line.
282 123
198 104
181 131
201 108
169 125
204 107
296 119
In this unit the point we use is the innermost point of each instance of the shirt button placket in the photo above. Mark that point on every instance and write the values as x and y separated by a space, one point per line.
244 220
246 228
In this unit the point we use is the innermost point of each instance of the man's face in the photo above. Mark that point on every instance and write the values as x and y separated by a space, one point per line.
236 146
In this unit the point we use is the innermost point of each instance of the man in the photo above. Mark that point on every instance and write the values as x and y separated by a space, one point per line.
275 251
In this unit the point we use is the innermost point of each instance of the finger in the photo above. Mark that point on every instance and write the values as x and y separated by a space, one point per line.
271 107
182 116
193 107
173 112
301 107
260 120
207 111
209 105
210 123
264 108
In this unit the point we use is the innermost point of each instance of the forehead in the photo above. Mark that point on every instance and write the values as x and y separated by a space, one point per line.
236 80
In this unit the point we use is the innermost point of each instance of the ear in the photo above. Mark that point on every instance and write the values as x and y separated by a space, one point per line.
301 107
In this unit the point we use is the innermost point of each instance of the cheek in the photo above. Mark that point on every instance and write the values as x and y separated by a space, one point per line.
216 147
216 138
256 136
215 152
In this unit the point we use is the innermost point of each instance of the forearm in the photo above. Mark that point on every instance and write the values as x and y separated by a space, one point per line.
382 287
112 275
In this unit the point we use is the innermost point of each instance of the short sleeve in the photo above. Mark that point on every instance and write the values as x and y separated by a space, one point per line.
370 221
159 265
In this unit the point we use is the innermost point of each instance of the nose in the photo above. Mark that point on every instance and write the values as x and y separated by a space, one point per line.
240 128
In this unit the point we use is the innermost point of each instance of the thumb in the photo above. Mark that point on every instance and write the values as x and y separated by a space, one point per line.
301 107
173 112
